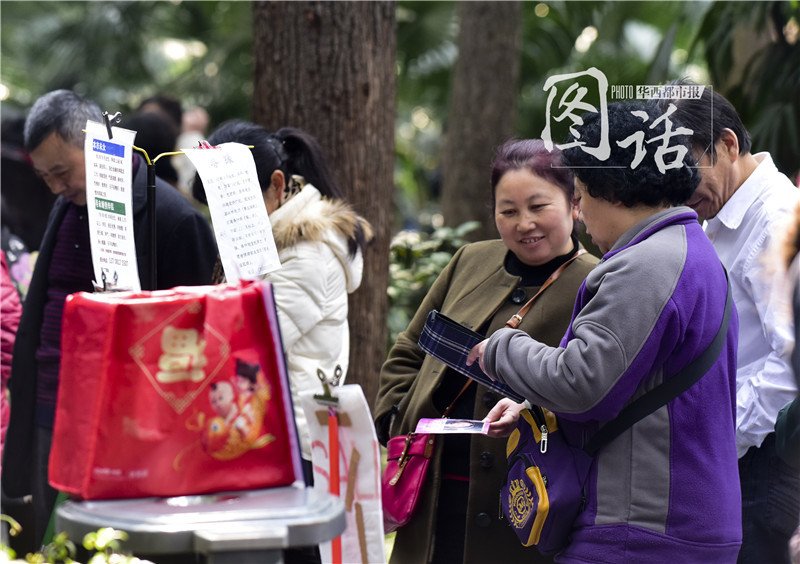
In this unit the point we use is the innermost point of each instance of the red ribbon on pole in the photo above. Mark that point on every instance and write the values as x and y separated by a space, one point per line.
333 441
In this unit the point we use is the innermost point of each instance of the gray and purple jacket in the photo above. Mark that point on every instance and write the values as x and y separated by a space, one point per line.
667 489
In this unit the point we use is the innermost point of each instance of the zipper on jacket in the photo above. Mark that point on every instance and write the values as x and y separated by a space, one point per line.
543 443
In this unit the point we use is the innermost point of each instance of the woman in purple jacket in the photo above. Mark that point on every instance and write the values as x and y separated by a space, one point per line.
667 489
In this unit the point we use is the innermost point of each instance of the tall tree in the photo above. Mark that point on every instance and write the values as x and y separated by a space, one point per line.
482 108
329 68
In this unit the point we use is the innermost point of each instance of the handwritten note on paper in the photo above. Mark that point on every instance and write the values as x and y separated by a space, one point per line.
241 224
109 203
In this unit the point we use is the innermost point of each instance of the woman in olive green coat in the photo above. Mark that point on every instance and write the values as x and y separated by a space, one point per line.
458 517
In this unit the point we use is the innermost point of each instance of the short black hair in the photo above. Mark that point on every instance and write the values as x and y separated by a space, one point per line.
170 107
62 112
707 116
613 179
290 150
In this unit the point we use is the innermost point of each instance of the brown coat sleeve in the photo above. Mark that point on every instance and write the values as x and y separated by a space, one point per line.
405 358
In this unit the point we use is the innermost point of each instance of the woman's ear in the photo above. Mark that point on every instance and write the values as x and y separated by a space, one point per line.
274 193
277 181
575 209
271 200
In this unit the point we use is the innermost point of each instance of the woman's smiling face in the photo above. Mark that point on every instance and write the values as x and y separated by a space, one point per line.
533 216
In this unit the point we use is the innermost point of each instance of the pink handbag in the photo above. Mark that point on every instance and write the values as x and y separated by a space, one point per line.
407 460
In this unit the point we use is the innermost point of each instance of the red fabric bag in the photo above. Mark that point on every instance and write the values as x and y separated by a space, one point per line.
172 392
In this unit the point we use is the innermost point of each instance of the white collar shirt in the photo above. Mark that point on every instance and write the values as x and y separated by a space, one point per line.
743 234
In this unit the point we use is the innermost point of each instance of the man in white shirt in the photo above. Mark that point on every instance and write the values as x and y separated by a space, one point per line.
747 204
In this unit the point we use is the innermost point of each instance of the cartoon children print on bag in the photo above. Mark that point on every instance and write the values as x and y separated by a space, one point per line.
238 405
252 399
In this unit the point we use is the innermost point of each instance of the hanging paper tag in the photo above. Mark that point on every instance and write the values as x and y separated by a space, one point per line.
109 202
241 224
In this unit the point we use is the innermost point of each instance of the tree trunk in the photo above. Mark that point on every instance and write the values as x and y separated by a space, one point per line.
482 109
329 69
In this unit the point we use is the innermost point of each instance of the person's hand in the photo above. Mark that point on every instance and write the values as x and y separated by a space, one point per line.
477 354
503 417
794 547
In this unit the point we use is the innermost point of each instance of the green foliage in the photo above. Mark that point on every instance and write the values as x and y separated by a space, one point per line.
426 51
761 81
416 259
104 540
634 43
104 545
6 552
630 42
118 53
61 549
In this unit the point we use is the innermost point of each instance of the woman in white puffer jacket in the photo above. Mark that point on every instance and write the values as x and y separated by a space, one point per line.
319 240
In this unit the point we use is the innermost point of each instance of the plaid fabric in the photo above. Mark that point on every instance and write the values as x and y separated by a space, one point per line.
450 342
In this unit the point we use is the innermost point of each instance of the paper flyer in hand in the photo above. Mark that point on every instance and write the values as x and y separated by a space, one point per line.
109 205
241 224
443 426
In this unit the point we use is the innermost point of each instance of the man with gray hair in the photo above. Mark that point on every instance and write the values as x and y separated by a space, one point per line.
186 250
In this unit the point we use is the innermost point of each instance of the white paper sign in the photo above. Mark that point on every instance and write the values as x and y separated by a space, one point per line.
359 472
241 224
109 202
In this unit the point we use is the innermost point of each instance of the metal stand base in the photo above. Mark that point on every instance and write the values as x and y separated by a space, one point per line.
226 528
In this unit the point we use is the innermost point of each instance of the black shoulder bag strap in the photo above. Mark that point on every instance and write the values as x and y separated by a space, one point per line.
667 391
